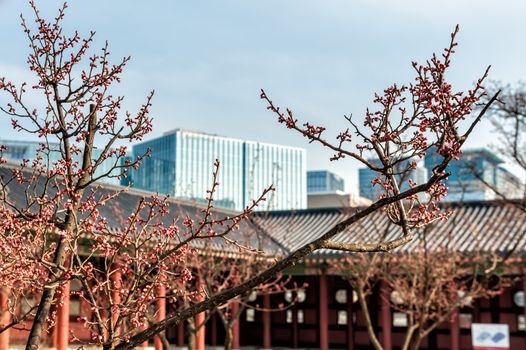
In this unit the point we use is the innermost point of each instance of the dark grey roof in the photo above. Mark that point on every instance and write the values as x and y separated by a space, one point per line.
248 234
492 226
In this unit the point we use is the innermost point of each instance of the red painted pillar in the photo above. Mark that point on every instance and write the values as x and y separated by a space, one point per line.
200 324
62 322
454 330
116 296
385 308
180 334
324 312
160 312
200 337
5 317
267 343
295 338
235 326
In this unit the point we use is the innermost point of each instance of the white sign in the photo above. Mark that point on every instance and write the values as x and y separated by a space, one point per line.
490 336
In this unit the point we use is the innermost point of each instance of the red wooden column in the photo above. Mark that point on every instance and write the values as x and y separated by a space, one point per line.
200 337
235 327
160 312
200 322
116 295
267 343
454 331
5 317
62 321
324 312
180 334
385 308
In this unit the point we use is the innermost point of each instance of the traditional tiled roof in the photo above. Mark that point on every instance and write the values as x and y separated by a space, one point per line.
492 226
248 234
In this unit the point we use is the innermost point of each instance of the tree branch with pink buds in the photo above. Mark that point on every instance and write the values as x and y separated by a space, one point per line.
58 233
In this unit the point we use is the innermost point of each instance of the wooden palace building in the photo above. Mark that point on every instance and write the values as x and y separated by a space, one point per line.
327 314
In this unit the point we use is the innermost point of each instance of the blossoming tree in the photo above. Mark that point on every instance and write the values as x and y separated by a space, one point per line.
56 231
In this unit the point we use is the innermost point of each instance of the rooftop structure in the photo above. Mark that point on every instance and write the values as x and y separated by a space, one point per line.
335 200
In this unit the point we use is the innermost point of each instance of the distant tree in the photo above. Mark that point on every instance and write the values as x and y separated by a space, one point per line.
508 116
427 284
218 273
58 224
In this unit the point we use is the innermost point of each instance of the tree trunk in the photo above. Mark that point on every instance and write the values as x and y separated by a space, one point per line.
192 342
415 341
368 322
164 341
46 300
70 219
228 338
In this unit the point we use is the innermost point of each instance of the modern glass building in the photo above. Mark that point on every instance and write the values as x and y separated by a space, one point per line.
366 176
181 165
475 174
16 151
324 181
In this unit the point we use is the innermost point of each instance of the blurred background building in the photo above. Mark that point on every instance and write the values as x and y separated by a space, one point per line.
324 181
17 151
478 175
366 176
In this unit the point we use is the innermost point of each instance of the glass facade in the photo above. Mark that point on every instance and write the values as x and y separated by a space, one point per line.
324 181
16 151
285 167
366 176
181 165
156 173
471 175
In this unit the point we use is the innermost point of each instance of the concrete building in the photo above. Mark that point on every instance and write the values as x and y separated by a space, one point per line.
335 200
326 190
181 165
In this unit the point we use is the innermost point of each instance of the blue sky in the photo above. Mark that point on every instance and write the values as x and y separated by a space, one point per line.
207 60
